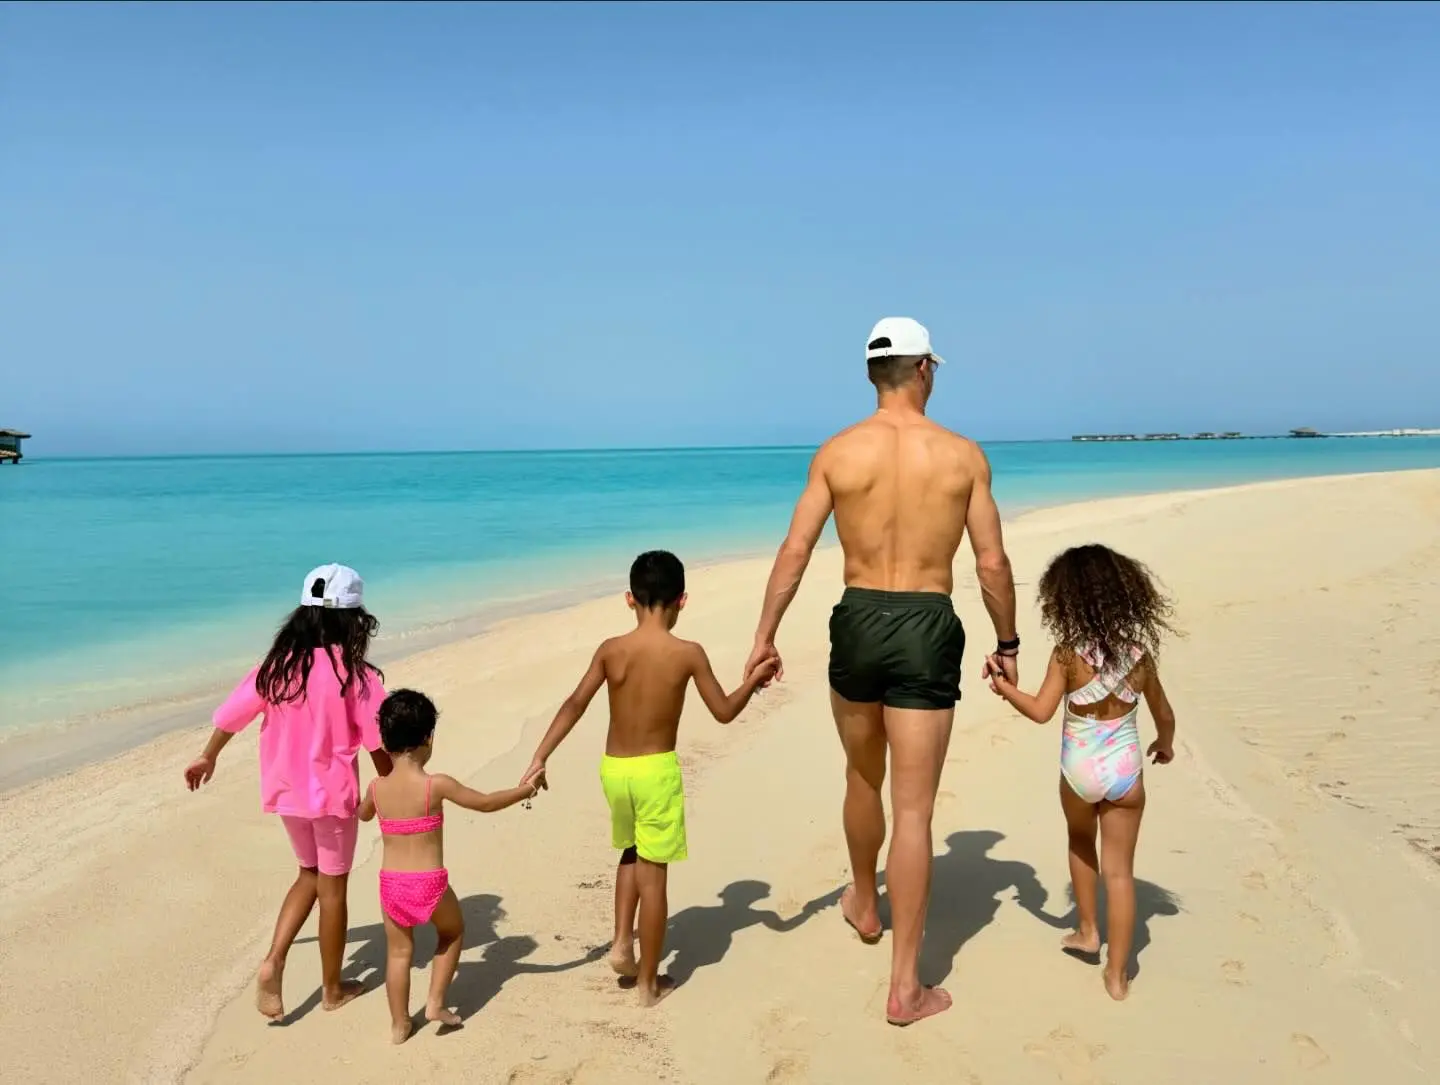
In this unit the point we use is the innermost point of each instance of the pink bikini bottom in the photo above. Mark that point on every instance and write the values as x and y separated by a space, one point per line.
410 897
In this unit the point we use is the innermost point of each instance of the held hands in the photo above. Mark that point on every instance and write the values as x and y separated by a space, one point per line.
763 655
1000 671
765 671
535 777
199 772
1160 752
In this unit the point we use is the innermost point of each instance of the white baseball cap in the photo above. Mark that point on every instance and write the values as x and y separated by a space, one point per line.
340 588
899 337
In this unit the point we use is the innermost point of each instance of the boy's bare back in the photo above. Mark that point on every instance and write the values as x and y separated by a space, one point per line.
647 673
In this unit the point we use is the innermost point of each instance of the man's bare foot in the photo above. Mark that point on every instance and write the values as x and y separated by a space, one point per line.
443 1016
649 996
622 960
929 1002
865 924
400 1033
1083 945
349 991
267 991
1117 985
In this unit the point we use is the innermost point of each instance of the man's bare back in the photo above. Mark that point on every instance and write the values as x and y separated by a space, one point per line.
904 491
901 488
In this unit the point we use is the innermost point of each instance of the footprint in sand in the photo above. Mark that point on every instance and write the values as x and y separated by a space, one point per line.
1234 973
944 798
1308 1054
1072 1058
1253 920
783 1037
531 1074
788 1070
1000 740
1254 880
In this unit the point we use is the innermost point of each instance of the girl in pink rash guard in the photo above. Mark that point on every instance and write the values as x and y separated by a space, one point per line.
318 698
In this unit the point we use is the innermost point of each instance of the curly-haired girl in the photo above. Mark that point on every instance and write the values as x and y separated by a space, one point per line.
1107 617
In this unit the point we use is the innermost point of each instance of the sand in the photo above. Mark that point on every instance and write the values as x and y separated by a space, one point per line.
1290 857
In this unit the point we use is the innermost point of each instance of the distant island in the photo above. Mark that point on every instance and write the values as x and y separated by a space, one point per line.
1233 435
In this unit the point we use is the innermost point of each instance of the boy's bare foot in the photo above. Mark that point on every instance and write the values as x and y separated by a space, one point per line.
649 996
443 1016
1117 985
349 991
622 960
928 1003
267 991
1083 945
400 1033
867 926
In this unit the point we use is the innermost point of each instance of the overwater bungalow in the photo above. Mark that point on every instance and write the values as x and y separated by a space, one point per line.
10 445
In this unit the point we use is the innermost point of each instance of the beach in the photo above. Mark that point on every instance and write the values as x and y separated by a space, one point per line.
1289 862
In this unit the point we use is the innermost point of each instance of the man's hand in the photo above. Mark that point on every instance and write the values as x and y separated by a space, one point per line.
764 671
993 671
762 654
199 772
1000 668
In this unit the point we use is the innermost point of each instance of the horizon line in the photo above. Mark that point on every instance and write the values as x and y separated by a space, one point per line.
611 449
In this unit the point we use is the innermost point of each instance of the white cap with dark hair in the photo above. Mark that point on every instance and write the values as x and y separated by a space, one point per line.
899 337
334 586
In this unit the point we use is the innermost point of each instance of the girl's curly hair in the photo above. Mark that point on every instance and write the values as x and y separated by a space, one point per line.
1091 596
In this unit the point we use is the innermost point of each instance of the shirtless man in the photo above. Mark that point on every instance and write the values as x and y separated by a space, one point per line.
904 491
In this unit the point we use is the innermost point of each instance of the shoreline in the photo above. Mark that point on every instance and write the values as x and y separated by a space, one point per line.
34 753
76 689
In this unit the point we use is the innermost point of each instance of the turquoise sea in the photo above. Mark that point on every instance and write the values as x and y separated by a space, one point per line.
135 582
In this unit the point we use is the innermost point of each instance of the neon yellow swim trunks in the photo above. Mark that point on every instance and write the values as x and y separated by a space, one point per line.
647 805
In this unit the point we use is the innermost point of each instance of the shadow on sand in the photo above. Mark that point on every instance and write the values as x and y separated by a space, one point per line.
965 898
475 983
700 936
1151 900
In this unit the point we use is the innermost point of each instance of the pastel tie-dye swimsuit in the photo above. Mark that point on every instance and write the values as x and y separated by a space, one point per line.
1101 759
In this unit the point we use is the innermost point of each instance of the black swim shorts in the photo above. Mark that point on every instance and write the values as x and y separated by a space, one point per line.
901 649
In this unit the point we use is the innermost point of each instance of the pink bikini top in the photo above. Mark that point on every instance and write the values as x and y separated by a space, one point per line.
409 826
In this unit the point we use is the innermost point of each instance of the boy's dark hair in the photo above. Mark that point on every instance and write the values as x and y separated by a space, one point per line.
657 579
344 634
1091 596
407 720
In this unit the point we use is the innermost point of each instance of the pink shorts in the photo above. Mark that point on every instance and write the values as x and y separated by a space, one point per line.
326 844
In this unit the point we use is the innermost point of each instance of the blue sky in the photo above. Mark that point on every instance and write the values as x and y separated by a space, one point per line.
338 227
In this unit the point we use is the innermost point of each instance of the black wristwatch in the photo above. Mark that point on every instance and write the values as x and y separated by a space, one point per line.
1008 647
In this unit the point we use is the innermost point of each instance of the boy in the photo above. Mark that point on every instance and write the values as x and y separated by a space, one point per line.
647 672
